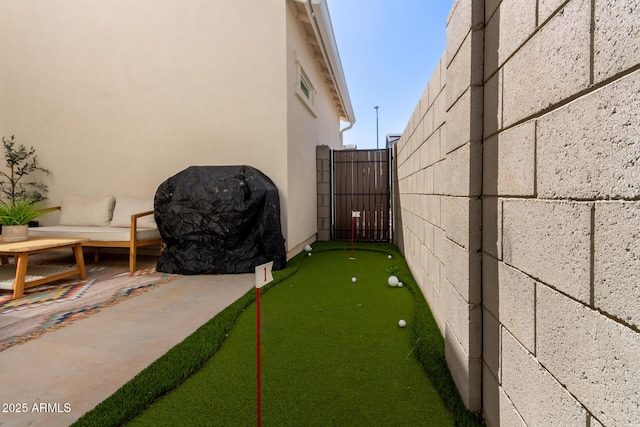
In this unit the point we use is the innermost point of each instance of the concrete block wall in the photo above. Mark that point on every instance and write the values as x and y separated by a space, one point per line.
438 200
323 171
518 207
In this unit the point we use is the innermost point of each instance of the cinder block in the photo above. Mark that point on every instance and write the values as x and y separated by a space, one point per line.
491 44
428 288
433 147
443 140
617 260
497 409
490 290
432 209
589 148
517 305
561 52
538 396
323 152
440 177
595 357
440 110
324 211
516 161
435 83
550 241
434 269
492 226
490 166
464 120
491 332
428 236
443 71
324 188
426 126
546 8
428 180
517 23
464 271
464 15
466 372
466 68
464 170
490 7
440 244
490 398
462 221
438 310
324 235
492 99
616 37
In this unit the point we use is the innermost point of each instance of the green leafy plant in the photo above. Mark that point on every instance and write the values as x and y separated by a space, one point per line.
20 212
21 162
393 271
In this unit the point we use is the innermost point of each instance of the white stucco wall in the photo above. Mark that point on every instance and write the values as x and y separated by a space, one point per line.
118 96
306 130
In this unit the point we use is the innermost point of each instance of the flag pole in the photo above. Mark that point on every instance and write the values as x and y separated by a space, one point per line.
258 352
354 215
263 277
352 227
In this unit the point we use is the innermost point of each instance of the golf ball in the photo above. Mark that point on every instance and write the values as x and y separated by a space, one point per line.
402 323
309 254
400 284
393 281
353 279
307 248
389 257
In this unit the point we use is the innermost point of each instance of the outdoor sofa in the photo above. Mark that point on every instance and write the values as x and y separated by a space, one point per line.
108 222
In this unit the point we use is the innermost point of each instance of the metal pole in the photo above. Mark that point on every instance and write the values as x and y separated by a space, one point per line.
377 137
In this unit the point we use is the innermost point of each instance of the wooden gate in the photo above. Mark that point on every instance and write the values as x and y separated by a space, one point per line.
361 183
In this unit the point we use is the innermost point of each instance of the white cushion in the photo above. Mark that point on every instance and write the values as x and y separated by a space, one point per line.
91 211
127 206
96 234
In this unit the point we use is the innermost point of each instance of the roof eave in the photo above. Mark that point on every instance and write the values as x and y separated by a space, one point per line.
318 13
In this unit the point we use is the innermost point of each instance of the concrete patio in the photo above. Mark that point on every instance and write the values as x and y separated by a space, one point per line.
67 372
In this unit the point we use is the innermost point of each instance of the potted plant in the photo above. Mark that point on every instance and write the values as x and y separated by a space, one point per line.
15 217
21 162
20 193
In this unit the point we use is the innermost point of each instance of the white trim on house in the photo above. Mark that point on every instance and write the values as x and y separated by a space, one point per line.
317 16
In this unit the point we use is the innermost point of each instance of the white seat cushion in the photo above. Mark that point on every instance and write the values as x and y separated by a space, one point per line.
127 206
99 234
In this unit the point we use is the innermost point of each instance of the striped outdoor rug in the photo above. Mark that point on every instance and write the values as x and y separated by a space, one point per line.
55 305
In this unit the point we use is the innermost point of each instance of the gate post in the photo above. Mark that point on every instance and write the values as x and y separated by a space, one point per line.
323 173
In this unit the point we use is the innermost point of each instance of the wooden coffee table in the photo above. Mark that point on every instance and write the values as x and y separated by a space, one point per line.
19 276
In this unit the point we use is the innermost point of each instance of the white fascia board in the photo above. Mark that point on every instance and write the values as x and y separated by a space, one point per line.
324 31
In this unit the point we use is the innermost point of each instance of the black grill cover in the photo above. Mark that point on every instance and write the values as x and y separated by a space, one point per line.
219 220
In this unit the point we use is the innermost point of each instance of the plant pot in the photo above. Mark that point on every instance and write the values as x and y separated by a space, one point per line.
15 233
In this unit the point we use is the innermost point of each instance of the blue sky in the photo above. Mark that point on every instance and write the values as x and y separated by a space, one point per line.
388 49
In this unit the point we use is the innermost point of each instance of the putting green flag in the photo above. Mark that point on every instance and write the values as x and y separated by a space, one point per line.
263 274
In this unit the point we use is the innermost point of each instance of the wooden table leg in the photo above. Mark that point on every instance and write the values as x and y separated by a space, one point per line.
77 251
21 274
4 259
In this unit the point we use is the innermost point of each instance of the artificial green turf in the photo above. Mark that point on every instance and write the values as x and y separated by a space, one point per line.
332 354
186 358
